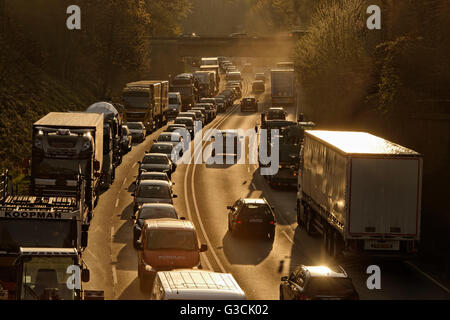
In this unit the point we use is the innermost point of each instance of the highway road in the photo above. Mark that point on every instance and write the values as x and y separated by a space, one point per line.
203 192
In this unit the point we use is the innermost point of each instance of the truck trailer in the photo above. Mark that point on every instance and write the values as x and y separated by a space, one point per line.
112 155
143 100
362 192
283 87
66 145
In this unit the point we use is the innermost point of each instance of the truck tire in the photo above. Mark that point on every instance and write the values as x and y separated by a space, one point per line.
336 245
308 220
299 208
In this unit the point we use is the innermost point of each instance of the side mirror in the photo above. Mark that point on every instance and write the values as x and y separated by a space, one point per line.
85 275
133 194
173 183
84 239
230 207
182 218
203 248
155 140
174 196
273 208
139 162
284 278
133 217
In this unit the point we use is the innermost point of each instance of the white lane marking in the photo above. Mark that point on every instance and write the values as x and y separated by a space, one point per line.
112 234
134 165
253 185
248 169
287 236
428 276
216 258
117 202
124 181
114 273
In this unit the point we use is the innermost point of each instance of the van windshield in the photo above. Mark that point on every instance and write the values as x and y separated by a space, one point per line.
171 239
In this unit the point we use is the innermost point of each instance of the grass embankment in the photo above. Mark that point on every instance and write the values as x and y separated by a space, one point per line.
26 94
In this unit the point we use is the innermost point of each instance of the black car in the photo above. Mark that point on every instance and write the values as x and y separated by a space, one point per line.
276 113
127 141
151 211
252 216
317 283
249 104
226 136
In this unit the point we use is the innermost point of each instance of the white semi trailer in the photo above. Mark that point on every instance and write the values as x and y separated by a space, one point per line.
362 192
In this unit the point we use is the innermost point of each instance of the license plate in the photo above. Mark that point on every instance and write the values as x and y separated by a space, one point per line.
382 245
255 220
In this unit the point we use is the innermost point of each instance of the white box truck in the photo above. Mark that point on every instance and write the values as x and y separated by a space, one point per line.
362 192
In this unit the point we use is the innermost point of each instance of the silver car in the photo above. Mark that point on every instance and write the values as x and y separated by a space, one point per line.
156 162
137 130
153 191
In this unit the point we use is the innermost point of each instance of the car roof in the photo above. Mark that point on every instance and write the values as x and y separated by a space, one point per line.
154 182
184 118
276 108
200 285
254 200
155 154
161 143
177 124
133 122
158 205
324 271
169 224
168 134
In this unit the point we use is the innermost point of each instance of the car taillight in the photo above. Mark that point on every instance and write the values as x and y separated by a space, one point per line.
272 222
302 297
278 184
239 221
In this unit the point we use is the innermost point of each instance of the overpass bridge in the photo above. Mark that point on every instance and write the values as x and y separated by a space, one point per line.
168 53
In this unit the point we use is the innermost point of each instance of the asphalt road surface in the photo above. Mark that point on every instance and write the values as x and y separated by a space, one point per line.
204 191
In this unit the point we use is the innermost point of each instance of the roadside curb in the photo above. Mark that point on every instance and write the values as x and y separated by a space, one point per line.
426 275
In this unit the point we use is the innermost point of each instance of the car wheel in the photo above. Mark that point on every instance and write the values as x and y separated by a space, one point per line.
281 294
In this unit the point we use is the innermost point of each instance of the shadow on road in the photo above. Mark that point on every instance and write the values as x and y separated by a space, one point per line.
247 250
132 292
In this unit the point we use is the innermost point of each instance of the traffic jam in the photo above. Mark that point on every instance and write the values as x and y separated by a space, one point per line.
276 226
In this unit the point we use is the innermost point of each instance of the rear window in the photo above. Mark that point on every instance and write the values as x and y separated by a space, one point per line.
153 191
171 239
155 160
150 176
188 122
329 286
134 126
157 213
161 148
256 210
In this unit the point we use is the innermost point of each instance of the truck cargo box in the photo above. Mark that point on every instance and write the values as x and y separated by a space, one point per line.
367 186
76 121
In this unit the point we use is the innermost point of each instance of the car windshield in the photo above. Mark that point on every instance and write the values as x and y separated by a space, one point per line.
256 210
171 239
184 91
161 148
134 126
157 213
124 131
329 286
173 100
155 160
153 191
